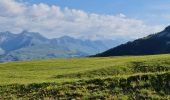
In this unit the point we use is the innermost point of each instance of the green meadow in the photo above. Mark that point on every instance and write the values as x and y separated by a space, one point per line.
110 78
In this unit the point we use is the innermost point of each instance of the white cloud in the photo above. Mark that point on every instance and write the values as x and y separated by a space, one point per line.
11 8
52 21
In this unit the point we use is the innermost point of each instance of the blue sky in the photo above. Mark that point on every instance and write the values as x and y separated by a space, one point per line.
86 19
150 11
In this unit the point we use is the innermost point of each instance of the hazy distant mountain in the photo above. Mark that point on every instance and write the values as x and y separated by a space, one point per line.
10 42
31 45
158 43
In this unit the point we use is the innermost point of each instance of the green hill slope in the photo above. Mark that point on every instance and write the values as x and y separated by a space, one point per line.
133 77
157 43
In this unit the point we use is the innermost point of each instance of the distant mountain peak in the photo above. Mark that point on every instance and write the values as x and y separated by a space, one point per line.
33 35
32 45
7 33
5 36
66 37
27 33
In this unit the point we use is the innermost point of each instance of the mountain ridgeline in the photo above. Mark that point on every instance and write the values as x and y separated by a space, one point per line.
158 43
32 45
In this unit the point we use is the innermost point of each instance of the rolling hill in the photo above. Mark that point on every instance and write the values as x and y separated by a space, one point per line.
123 77
158 43
31 45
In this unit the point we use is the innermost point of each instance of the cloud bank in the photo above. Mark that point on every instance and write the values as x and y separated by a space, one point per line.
52 21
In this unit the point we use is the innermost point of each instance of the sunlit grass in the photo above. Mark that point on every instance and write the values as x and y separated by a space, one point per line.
96 78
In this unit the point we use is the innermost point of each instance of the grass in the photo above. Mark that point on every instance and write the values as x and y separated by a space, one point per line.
88 78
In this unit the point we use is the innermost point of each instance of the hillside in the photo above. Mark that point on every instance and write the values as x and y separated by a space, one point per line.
158 43
122 77
32 45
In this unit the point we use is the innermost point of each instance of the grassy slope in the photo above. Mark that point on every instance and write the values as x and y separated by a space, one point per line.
87 77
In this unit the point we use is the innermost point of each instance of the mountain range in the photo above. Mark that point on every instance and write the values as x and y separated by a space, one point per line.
158 43
32 45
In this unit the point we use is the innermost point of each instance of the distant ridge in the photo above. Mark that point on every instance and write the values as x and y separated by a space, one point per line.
158 43
32 45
